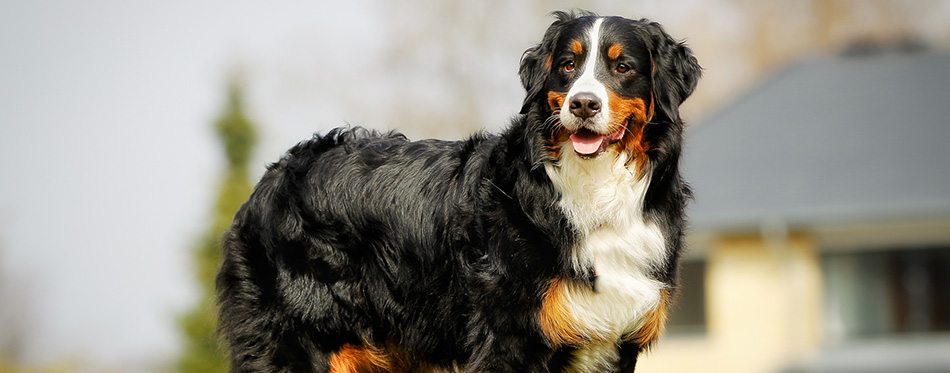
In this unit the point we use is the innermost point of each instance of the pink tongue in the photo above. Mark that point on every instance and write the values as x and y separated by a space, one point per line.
586 142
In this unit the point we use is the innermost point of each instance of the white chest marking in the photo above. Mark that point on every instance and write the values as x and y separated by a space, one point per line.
604 201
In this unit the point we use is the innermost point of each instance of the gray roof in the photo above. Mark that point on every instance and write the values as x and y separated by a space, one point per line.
835 139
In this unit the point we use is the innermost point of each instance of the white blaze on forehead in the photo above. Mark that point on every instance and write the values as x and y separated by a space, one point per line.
587 82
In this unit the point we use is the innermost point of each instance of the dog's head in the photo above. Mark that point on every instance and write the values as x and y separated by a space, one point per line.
600 80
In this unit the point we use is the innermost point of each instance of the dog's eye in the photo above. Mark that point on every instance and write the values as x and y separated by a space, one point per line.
568 66
622 68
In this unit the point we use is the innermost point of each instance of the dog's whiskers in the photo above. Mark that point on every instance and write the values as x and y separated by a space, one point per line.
553 120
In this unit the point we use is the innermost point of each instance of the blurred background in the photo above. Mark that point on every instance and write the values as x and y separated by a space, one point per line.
817 145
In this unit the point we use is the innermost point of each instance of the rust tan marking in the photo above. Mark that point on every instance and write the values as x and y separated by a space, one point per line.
560 134
360 359
556 101
547 62
558 137
634 113
557 324
636 146
614 51
577 47
653 323
622 108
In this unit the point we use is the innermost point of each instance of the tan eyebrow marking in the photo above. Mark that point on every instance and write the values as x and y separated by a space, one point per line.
614 51
577 47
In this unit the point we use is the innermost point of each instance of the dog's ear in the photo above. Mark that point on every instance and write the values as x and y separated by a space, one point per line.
536 61
533 74
675 73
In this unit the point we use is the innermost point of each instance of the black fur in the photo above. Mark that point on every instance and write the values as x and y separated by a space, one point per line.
434 252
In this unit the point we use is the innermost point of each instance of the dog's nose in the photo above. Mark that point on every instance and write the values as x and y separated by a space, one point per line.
585 105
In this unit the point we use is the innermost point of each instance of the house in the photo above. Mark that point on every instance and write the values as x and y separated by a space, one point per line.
820 229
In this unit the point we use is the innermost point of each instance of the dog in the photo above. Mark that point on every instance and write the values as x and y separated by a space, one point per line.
550 247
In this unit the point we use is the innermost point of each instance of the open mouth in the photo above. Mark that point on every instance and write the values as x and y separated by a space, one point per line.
590 143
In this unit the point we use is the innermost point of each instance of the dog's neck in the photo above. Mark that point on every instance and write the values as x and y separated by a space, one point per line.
598 191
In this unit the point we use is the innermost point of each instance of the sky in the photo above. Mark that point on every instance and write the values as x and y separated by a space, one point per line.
108 162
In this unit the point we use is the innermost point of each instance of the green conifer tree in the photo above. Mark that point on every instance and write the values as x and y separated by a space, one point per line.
202 349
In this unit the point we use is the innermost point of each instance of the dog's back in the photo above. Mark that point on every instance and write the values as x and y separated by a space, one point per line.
348 235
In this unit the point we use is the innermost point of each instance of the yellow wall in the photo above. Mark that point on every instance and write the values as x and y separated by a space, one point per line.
762 309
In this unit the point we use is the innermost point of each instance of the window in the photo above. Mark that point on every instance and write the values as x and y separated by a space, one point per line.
883 293
688 315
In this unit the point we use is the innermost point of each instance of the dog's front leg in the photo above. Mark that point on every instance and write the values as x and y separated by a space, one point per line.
629 352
